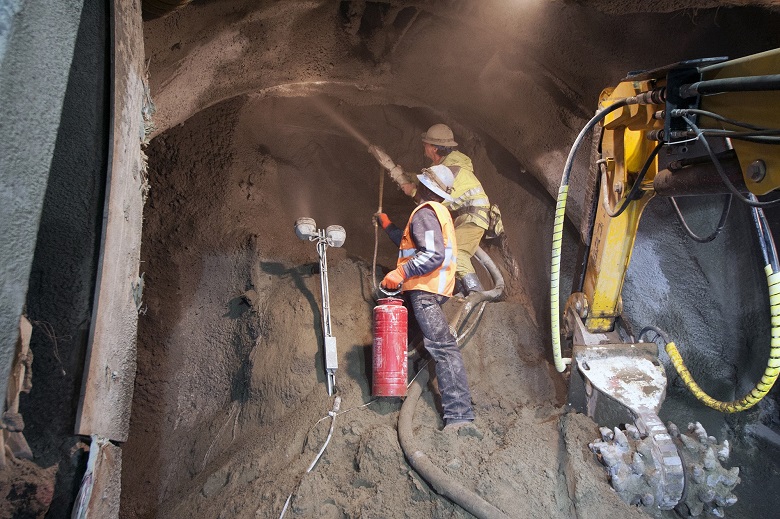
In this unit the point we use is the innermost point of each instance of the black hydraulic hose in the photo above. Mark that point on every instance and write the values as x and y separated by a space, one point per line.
738 135
658 331
773 140
732 84
761 234
679 112
437 478
719 168
560 215
765 238
588 127
721 222
769 241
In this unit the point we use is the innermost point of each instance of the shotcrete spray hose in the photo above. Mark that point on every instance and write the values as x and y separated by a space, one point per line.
560 214
480 298
437 478
473 324
498 280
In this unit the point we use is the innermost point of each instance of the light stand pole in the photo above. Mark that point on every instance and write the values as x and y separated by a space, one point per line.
333 236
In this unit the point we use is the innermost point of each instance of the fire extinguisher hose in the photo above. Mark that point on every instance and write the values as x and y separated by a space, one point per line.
437 478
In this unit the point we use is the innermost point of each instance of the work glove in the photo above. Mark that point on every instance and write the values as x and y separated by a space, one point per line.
382 219
393 279
383 158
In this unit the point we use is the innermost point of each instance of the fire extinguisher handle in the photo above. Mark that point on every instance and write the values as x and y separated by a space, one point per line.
391 292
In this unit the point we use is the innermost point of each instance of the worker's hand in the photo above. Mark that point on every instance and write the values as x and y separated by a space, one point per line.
383 158
393 279
409 189
382 219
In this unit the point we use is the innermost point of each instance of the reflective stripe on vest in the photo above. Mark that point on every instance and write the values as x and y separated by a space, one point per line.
442 279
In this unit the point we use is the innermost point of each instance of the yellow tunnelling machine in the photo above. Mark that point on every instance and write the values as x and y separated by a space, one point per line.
694 128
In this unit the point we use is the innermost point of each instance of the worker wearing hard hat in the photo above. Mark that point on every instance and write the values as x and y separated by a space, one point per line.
468 202
426 273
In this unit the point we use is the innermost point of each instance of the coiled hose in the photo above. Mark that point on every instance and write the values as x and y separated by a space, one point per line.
773 365
480 298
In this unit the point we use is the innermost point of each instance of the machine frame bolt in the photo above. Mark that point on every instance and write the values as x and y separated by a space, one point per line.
757 170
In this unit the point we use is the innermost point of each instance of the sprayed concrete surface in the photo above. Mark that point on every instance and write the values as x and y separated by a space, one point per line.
264 113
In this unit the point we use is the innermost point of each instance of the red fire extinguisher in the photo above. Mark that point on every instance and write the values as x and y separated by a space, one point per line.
389 362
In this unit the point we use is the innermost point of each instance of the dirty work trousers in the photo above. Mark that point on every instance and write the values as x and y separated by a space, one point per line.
437 339
467 236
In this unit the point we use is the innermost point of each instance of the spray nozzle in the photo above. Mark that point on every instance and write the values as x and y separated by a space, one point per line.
381 156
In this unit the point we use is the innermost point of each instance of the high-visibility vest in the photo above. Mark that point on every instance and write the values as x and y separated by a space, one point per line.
469 201
442 279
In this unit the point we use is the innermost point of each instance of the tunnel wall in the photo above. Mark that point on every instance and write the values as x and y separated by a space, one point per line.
56 85
37 41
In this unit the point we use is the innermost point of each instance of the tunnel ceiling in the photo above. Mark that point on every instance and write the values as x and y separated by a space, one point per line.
523 73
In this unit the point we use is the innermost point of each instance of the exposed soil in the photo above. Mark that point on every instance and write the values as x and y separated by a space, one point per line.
231 388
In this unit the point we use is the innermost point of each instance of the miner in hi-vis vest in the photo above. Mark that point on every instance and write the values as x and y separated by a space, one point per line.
468 202
426 274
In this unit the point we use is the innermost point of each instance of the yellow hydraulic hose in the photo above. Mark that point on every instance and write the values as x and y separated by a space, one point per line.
560 213
555 276
770 373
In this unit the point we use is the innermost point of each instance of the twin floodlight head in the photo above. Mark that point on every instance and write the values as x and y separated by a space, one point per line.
333 236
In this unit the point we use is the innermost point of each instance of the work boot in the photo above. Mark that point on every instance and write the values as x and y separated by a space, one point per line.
454 425
463 428
471 284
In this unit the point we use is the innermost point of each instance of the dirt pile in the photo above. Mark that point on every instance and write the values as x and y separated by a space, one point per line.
247 458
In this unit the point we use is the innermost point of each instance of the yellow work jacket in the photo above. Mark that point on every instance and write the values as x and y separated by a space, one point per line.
469 202
442 279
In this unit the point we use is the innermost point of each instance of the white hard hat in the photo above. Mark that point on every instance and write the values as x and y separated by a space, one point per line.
438 179
440 135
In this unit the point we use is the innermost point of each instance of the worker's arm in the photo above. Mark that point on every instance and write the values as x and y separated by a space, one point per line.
393 232
427 236
405 182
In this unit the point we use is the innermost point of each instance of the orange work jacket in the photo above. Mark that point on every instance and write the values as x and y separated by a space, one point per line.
442 279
